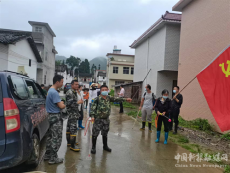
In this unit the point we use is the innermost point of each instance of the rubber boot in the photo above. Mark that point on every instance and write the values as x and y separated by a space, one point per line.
94 141
158 136
166 137
150 125
80 124
143 126
105 144
68 138
73 147
175 129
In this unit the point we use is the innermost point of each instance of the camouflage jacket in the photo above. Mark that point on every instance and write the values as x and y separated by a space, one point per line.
71 104
101 107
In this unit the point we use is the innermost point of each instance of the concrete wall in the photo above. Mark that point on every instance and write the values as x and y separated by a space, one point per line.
120 75
205 32
3 57
160 53
46 50
172 47
123 58
19 55
150 55
165 81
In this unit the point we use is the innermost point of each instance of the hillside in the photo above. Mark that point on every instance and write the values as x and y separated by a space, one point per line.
99 60
96 61
58 58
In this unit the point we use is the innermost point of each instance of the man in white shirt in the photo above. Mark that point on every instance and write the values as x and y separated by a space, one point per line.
121 94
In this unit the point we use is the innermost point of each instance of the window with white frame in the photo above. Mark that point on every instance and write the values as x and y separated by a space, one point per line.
132 70
38 29
115 70
125 70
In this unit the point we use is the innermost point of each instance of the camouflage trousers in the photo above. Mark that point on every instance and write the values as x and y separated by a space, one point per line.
72 125
54 138
101 125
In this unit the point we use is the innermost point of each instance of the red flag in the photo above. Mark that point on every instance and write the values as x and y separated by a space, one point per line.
215 84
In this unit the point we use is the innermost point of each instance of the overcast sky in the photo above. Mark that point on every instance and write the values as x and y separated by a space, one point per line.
86 28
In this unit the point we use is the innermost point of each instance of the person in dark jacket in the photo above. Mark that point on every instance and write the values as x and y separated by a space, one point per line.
176 105
163 108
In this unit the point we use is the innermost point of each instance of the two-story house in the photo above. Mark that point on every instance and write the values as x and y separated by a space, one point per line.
44 38
120 68
158 49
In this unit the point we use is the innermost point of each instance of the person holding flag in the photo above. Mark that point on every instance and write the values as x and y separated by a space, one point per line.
163 109
176 105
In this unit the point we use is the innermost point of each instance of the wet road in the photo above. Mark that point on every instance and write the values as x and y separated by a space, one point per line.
133 151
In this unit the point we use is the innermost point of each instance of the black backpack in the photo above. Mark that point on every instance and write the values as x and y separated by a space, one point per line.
153 98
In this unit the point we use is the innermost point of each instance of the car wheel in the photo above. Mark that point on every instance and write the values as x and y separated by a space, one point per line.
34 157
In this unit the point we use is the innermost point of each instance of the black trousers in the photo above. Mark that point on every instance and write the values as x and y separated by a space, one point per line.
81 113
121 107
159 123
86 103
175 114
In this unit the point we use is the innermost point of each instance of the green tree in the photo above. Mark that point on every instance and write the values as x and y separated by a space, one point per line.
58 62
84 67
93 69
73 62
63 62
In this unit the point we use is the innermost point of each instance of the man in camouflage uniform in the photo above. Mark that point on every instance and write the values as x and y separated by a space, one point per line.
73 113
100 112
53 108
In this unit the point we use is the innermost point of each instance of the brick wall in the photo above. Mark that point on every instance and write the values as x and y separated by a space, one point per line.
205 32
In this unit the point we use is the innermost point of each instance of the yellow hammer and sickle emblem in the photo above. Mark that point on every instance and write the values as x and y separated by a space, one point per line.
226 72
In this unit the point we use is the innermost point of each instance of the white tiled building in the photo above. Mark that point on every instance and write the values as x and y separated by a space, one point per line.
158 49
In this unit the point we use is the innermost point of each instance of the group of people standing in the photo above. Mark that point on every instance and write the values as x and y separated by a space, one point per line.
165 109
99 111
99 103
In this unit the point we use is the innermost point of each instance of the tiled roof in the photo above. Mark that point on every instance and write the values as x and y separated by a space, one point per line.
167 17
13 36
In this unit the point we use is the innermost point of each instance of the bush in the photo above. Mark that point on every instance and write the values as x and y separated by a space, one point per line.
111 93
227 169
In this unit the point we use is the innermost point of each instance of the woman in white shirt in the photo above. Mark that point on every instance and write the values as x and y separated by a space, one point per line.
80 106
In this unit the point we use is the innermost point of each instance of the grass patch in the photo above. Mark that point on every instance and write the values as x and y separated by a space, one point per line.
183 139
134 114
125 105
198 124
227 169
226 136
189 148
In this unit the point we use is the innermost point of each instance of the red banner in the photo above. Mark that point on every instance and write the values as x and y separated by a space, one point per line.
215 84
